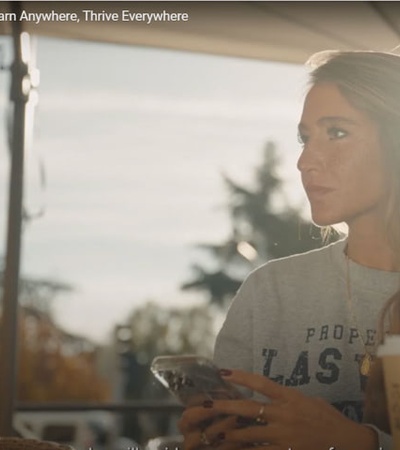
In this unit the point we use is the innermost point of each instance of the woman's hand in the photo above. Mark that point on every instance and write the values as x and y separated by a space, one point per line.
202 431
290 420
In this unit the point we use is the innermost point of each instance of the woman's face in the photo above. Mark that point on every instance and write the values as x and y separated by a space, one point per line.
341 162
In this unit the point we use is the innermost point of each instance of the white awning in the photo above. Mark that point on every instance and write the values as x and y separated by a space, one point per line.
277 31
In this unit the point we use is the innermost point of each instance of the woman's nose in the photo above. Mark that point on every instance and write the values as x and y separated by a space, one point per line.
303 161
310 158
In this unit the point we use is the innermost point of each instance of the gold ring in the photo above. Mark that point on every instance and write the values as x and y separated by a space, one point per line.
260 416
204 439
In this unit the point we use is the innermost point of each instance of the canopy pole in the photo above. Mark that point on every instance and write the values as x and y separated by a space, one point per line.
19 95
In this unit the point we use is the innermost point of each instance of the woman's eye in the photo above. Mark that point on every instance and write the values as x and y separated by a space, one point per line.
301 138
336 133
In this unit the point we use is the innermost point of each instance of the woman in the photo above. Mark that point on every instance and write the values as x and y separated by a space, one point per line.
301 332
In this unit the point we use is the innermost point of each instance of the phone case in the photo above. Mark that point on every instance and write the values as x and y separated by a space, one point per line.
192 379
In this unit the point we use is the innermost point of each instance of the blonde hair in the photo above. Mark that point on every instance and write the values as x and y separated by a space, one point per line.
370 81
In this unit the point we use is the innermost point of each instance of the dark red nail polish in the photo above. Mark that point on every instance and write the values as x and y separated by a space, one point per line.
244 421
225 372
208 403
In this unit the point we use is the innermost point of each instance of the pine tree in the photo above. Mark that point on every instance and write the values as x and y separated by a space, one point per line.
264 226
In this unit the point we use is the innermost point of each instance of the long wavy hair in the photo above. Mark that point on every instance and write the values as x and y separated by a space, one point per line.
370 81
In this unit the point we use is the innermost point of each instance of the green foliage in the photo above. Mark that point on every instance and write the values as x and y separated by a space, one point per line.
157 330
218 284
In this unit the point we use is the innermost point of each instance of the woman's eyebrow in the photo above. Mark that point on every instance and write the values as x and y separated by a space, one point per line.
329 119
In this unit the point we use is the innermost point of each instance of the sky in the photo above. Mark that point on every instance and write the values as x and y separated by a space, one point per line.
134 141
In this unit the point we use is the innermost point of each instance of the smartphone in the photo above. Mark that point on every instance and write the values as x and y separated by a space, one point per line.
192 379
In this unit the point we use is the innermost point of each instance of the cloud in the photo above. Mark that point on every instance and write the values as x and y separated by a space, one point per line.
98 102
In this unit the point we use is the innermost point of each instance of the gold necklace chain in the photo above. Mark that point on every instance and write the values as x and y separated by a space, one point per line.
366 361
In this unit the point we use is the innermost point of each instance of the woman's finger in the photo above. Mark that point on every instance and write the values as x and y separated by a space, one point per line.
260 434
210 435
192 418
249 409
219 426
258 383
193 440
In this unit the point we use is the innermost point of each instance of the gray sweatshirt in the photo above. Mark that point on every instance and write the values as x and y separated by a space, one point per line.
291 321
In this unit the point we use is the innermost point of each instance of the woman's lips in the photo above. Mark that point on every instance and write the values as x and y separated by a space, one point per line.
315 190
